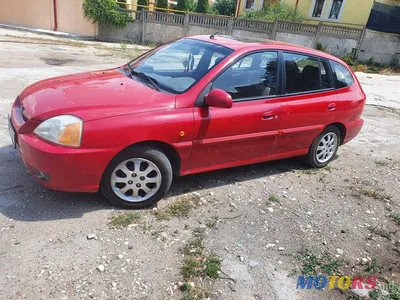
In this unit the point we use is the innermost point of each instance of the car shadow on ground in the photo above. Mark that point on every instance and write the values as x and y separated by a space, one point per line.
23 199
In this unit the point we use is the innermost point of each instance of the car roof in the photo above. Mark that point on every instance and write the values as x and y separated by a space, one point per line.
251 44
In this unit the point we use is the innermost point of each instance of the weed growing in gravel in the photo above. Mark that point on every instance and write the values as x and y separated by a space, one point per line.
374 194
213 266
374 267
197 263
273 198
319 264
391 293
123 220
213 223
123 46
396 218
180 208
381 163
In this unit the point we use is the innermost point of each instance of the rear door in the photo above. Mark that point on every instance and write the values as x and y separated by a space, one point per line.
248 130
309 103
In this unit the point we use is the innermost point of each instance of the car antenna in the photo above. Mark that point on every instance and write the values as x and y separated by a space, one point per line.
214 34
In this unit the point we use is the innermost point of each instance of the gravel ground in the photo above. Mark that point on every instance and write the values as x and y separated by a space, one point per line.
258 219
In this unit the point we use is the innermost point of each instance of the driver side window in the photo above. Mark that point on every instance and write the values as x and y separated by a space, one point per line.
253 76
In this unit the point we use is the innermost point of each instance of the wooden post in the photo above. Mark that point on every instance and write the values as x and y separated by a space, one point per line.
142 20
274 28
360 40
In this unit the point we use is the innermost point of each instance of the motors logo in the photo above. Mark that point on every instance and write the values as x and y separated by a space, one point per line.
332 282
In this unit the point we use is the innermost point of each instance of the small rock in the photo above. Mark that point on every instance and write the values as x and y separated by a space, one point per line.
281 249
262 211
253 263
339 251
120 256
130 247
114 284
100 268
364 260
270 245
270 209
232 204
241 258
191 284
91 236
212 194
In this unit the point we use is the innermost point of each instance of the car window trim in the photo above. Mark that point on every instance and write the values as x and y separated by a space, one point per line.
284 94
200 100
329 70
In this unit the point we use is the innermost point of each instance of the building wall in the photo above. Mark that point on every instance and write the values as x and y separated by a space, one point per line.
26 13
354 12
40 14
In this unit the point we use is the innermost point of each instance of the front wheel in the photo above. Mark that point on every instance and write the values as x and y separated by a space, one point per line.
138 177
324 148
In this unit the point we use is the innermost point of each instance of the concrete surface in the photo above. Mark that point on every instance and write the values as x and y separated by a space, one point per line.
45 253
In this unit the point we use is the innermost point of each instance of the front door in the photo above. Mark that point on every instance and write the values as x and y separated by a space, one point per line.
247 131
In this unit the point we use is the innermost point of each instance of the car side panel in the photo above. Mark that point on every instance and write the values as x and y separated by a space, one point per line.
303 118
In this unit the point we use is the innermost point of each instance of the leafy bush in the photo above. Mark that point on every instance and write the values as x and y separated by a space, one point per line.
276 11
225 7
105 11
202 6
143 3
162 4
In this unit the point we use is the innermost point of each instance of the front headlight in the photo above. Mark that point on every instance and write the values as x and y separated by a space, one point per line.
64 130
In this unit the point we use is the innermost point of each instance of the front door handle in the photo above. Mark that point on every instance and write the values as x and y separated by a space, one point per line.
331 106
269 116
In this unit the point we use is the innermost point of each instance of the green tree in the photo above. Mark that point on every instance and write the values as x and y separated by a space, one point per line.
121 5
202 6
186 5
225 7
162 4
143 3
105 11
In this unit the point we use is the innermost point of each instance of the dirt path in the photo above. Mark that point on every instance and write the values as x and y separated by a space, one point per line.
258 219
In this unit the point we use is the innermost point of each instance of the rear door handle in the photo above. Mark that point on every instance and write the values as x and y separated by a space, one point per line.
331 106
269 116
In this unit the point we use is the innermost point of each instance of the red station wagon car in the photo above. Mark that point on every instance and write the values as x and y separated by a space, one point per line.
193 105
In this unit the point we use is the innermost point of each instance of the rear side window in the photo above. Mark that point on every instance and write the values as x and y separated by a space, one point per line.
304 74
341 75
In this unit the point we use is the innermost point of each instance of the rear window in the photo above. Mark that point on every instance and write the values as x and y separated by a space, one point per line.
341 75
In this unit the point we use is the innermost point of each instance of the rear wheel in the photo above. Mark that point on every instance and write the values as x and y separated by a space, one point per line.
137 177
324 148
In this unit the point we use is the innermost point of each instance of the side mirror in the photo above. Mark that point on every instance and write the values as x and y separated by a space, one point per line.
218 98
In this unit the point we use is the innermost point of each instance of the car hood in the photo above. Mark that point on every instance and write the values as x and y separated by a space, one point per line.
92 95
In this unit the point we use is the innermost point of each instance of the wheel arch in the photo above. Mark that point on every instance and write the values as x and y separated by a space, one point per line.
169 150
342 130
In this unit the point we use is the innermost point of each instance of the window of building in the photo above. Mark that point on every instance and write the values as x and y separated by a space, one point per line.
253 76
335 10
318 8
249 4
341 75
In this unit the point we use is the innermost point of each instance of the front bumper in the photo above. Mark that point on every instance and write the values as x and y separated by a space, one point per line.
71 170
56 167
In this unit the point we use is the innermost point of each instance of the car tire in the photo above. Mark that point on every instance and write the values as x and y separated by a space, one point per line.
323 149
141 190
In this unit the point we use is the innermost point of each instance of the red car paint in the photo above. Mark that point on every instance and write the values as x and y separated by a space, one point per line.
118 112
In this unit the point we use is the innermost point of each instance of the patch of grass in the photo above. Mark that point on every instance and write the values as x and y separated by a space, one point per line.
396 218
198 292
374 194
213 223
273 198
319 264
195 246
309 171
370 66
381 163
374 267
179 209
390 292
213 266
123 46
123 220
191 268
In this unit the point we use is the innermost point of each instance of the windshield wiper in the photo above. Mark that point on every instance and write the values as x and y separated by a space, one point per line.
144 77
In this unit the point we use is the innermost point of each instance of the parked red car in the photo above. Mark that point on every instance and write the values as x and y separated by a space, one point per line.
193 105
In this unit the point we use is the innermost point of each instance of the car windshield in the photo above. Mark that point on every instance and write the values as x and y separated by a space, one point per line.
175 67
